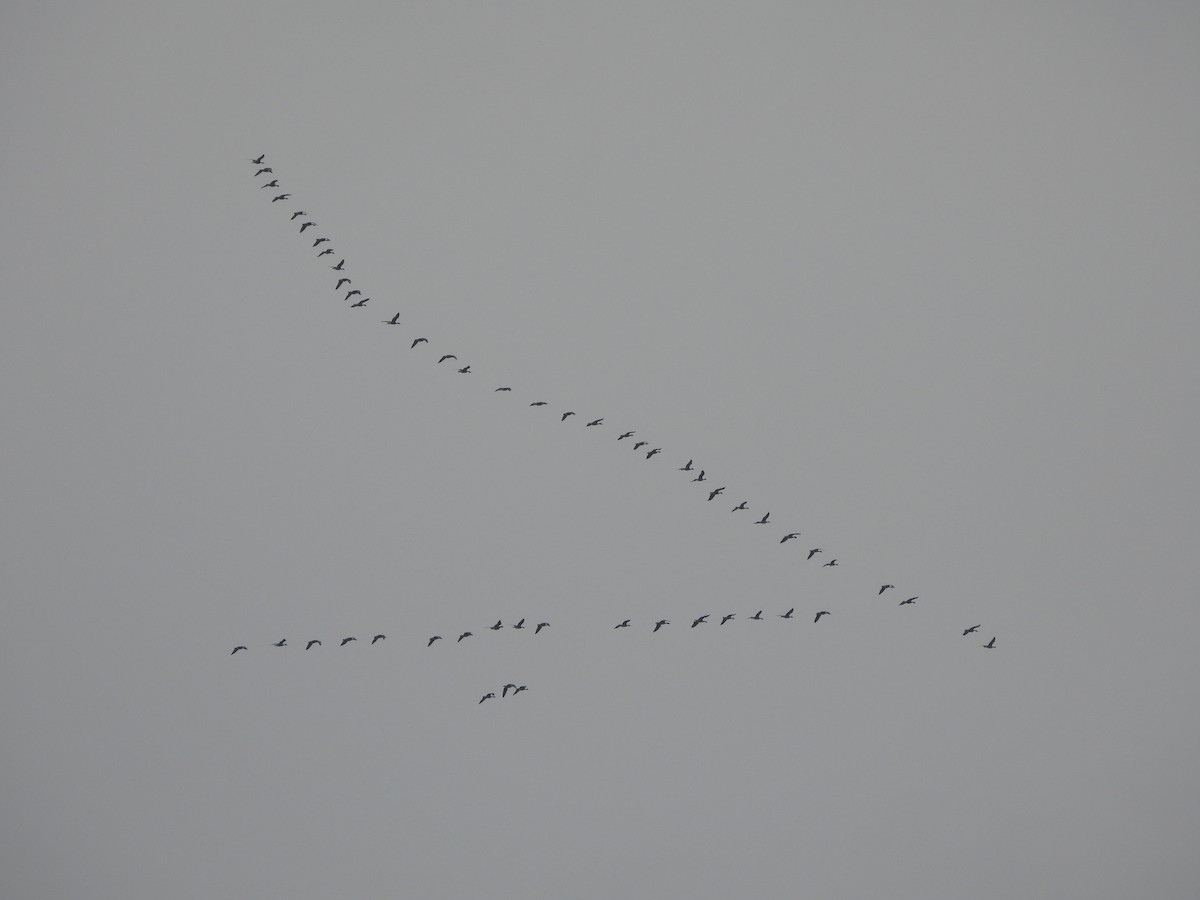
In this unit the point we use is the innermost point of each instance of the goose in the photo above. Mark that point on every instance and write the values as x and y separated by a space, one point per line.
282 642
599 421
362 302
909 600
640 444
350 294
297 215
763 520
258 162
726 618
625 435
703 620
378 637
741 505
538 403
971 629
520 624
418 341
310 644
263 170
788 614
465 634
446 357
540 626
274 183
319 241
497 626
659 624
991 645
790 537
757 616
282 197
814 551
823 612
465 370
504 693
237 648
326 252
699 477
503 389
624 624
652 452
687 467
394 320
715 491
307 225
487 697
341 281
345 641
884 588
523 687
832 562
564 416
436 637
338 267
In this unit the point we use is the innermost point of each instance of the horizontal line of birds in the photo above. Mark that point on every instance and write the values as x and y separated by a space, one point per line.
689 466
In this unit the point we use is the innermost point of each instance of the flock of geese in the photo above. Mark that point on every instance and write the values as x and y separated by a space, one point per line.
344 286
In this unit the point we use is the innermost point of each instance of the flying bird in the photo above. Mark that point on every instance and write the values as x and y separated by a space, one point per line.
686 468
465 634
465 370
338 267
540 626
378 637
763 520
814 551
741 505
823 612
502 389
497 626
297 214
523 687
624 624
969 630
236 649
269 184
520 624
652 452
640 444
446 357
715 491
282 197
504 693
909 600
788 614
595 422
538 403
309 646
757 616
418 341
282 643
342 281
726 618
394 320
487 697
326 252
362 302
350 294
258 162
626 434
264 169
564 416
307 225
790 537
991 645
699 477
345 641
884 588
659 624
436 637
832 562
703 620
320 241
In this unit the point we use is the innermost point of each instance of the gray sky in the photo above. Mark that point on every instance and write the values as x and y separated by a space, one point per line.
920 279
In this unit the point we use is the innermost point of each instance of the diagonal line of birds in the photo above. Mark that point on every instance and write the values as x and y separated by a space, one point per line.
324 248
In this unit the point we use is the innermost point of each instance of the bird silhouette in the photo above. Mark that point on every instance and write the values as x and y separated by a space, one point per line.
319 241
814 551
640 444
971 629
788 614
297 214
832 562
264 169
659 624
362 302
436 637
236 649
350 294
258 162
538 403
394 320
564 416
909 600
497 626
823 612
763 520
503 389
715 491
504 693
326 252
418 341
446 357
790 537
523 687
269 184
342 281
465 370
741 505
282 642
686 468
282 197
338 267
991 645
703 620
378 637
757 616
309 646
884 588
465 634
625 435
487 697
520 624
624 624
307 225
699 477
540 626
345 641
595 422
654 451
726 618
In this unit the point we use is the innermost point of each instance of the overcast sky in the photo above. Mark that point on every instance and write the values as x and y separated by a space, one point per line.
919 279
